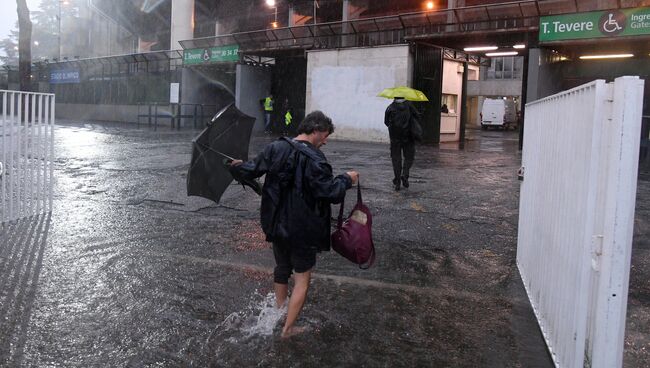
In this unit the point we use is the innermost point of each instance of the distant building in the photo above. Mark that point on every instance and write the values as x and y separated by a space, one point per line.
310 52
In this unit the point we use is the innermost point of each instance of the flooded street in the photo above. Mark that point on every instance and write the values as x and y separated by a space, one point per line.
130 272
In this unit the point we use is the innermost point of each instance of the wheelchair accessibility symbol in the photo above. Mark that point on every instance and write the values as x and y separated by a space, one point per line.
612 23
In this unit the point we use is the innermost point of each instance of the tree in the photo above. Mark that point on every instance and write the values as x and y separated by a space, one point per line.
10 47
24 45
45 32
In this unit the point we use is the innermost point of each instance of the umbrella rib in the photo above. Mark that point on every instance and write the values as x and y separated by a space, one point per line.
215 151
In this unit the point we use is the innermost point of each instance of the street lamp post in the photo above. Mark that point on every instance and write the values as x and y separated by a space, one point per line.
271 3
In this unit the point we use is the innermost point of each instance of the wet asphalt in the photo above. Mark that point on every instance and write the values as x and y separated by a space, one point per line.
128 271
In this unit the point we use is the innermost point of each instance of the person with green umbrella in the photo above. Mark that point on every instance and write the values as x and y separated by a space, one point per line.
401 119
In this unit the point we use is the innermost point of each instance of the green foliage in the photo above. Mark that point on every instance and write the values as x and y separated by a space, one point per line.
45 31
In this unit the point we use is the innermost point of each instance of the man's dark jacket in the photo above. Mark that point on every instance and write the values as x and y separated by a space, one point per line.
399 118
297 193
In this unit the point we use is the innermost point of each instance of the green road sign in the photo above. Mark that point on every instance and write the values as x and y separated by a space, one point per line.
611 23
211 55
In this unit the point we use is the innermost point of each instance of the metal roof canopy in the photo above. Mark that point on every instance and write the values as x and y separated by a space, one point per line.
477 18
122 59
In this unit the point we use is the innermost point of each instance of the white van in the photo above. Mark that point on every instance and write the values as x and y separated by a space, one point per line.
498 113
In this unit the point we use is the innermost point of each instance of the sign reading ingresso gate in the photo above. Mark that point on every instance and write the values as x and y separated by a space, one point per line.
611 23
211 55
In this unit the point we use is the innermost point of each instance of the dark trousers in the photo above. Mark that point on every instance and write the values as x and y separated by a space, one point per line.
398 148
267 120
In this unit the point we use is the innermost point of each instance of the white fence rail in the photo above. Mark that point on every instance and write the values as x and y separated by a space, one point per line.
576 217
27 148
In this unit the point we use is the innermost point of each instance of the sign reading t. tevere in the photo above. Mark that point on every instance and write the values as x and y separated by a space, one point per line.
211 55
611 23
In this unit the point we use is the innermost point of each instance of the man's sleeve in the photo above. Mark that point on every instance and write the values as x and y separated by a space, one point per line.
324 186
387 118
255 167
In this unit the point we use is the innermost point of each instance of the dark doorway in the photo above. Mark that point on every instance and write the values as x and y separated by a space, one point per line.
289 84
427 77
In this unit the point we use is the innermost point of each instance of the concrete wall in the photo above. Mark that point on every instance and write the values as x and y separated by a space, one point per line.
253 83
344 84
494 88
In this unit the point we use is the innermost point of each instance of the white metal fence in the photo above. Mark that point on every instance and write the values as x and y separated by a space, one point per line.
576 217
27 148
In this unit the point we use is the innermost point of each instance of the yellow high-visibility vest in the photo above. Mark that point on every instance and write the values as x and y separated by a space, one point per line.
287 118
268 104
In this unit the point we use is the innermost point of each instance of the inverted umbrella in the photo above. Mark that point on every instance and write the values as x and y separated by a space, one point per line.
224 139
407 93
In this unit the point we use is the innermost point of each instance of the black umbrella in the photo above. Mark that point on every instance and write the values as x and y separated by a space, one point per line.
224 139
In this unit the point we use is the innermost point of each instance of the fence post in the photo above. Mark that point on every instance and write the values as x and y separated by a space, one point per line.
621 161
149 115
155 117
196 107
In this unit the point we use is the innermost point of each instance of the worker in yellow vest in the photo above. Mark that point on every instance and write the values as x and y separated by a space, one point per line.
268 111
288 118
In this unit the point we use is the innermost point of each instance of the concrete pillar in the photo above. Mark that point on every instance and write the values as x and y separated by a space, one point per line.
532 92
346 40
217 28
290 22
182 27
252 84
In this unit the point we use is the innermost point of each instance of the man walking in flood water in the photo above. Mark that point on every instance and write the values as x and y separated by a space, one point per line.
401 120
295 214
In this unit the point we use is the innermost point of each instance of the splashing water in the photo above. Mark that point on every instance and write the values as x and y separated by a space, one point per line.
259 318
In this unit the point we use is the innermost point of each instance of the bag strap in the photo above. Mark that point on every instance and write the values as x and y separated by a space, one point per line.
359 200
339 222
309 153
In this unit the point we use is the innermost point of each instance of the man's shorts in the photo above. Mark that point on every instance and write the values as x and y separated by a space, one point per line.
288 259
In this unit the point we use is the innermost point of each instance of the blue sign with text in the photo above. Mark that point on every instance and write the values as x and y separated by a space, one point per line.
64 76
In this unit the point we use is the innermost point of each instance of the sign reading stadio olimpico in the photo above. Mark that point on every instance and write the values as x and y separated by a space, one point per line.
599 24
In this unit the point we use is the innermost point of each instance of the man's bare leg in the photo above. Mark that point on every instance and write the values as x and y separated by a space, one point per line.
281 292
297 300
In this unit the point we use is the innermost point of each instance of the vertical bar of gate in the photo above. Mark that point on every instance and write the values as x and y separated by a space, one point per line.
46 119
39 155
10 161
3 178
25 151
19 169
51 160
45 147
32 187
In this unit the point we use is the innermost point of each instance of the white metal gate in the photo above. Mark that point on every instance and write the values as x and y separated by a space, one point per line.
27 147
576 217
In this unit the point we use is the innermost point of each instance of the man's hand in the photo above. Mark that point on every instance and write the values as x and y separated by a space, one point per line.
354 176
236 162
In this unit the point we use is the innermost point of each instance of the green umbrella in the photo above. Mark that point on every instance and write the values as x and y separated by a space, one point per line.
408 93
